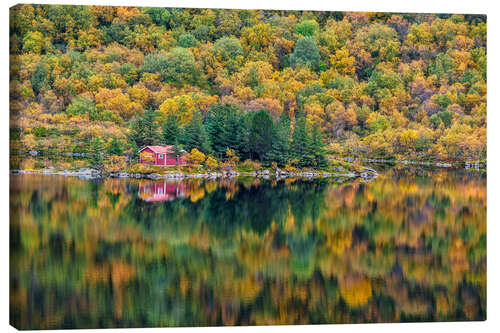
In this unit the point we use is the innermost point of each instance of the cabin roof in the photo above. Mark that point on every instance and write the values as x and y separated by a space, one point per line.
159 149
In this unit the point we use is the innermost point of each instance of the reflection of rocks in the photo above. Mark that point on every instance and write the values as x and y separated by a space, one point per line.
266 174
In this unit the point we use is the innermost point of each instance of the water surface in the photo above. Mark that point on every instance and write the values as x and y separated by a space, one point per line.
408 246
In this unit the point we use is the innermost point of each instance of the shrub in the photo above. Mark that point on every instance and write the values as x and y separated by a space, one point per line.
115 163
249 166
290 168
211 162
140 168
197 157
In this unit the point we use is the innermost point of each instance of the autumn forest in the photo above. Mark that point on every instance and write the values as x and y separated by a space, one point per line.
284 87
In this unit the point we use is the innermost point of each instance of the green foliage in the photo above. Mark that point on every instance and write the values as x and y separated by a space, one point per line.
144 130
194 135
115 147
170 130
40 80
280 148
178 66
444 116
129 73
225 127
216 129
442 67
160 16
116 32
33 42
307 28
383 80
82 105
306 53
302 144
318 148
187 40
261 134
96 156
379 124
228 48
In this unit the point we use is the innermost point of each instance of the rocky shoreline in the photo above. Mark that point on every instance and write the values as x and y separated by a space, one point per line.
467 165
367 173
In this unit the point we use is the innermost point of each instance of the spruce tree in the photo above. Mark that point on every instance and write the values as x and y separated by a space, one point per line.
115 147
96 153
242 138
318 148
280 149
151 127
195 136
144 130
215 125
236 132
302 144
170 130
261 134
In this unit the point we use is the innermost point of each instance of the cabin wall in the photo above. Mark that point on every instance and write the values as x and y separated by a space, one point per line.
160 160
147 156
171 160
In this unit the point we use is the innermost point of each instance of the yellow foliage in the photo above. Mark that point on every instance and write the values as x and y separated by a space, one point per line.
342 62
116 101
211 162
115 163
356 291
196 156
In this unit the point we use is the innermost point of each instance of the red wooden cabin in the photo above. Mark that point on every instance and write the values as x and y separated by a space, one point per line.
161 155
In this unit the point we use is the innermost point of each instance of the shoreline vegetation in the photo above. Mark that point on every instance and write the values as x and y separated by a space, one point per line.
349 167
243 169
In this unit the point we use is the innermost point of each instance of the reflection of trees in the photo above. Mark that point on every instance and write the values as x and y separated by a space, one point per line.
410 245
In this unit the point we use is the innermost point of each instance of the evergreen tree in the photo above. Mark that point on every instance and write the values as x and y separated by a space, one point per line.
195 136
216 129
144 130
280 148
261 134
150 127
40 77
226 129
115 147
170 130
236 133
96 153
306 53
302 144
318 148
242 138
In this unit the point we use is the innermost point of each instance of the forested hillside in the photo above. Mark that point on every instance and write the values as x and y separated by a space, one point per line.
276 86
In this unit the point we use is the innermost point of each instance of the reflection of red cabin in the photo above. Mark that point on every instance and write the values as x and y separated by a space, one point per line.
161 191
161 155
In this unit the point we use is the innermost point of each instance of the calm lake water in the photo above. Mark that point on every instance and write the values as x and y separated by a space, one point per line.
408 246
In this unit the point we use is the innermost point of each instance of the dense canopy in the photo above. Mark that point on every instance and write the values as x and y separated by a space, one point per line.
373 84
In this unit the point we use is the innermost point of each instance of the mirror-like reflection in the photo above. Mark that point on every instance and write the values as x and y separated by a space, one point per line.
164 190
408 246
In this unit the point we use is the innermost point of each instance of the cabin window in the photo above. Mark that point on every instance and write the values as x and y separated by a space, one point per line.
160 155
